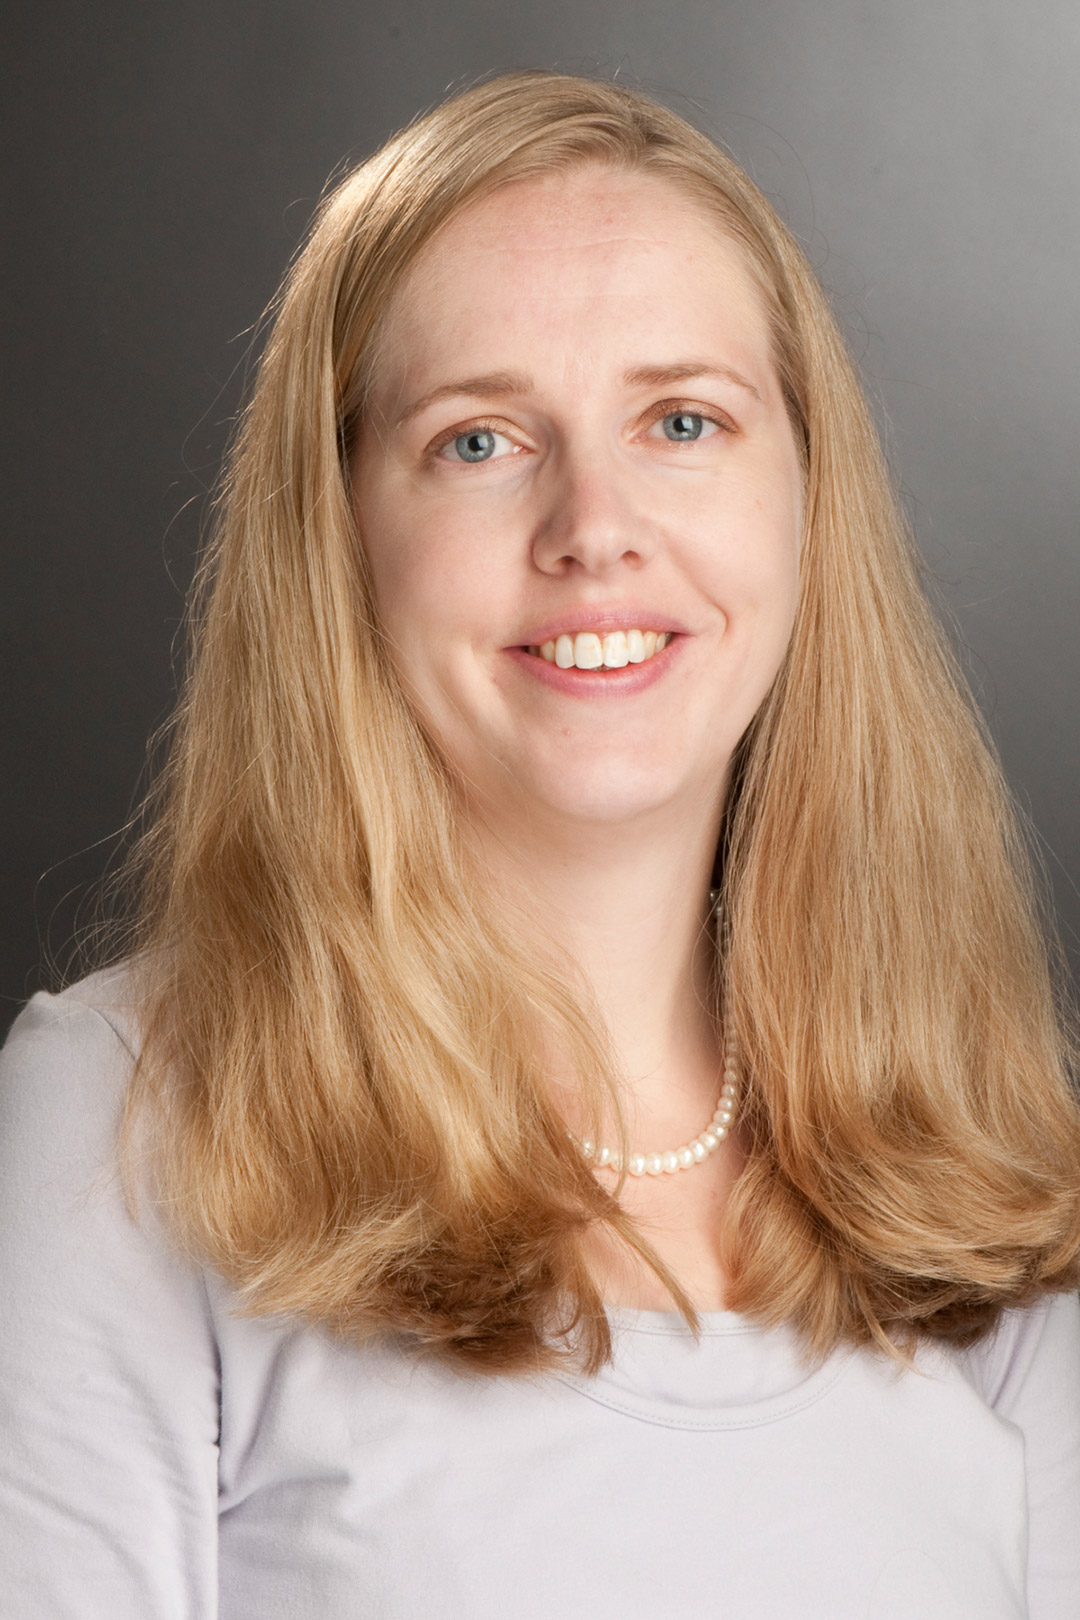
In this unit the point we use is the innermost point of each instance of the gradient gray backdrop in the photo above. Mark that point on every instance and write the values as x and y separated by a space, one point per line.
166 157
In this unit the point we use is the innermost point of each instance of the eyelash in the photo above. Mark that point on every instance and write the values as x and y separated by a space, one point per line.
476 424
687 407
656 413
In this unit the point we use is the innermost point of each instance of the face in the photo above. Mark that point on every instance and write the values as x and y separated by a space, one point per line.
580 498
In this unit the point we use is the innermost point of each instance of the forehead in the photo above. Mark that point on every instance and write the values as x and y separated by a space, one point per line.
575 265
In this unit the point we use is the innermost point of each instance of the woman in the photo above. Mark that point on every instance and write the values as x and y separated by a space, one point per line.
568 760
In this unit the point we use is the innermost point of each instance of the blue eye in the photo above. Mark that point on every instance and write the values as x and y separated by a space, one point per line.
479 445
683 425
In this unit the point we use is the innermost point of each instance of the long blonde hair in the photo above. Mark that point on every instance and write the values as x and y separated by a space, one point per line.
343 1043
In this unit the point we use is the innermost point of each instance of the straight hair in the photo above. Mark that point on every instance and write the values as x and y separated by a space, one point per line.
343 1036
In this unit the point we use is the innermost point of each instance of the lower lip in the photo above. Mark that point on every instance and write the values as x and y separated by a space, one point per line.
594 683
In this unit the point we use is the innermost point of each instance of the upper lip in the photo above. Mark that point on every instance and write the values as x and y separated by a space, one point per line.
598 620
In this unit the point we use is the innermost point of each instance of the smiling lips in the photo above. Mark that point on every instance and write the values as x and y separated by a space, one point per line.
614 650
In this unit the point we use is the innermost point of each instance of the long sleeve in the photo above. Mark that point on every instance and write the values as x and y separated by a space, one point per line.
1030 1374
358 1481
108 1368
1046 1406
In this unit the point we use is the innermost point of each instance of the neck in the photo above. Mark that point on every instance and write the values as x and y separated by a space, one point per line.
626 909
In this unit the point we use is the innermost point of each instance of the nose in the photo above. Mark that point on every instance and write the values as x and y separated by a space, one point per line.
592 520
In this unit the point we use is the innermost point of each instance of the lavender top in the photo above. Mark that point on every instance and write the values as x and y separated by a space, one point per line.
163 1459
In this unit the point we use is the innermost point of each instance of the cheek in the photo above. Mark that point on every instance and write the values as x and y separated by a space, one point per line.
404 567
749 552
436 594
775 589
775 522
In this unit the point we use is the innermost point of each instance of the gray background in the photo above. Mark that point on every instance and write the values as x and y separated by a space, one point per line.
164 160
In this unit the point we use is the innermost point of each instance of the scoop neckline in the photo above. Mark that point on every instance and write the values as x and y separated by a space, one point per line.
629 1319
750 1414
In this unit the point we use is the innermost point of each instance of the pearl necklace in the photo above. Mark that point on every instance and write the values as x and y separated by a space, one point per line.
680 1158
691 1153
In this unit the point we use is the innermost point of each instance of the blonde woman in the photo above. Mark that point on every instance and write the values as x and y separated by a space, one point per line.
582 1127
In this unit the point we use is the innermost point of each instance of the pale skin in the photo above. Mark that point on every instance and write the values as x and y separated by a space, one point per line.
600 351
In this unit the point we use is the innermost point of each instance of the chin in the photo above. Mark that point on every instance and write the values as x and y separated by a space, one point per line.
608 796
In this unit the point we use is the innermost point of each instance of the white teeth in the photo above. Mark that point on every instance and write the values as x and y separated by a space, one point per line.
588 652
616 653
615 650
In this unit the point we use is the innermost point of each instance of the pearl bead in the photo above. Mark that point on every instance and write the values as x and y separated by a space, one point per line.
681 1158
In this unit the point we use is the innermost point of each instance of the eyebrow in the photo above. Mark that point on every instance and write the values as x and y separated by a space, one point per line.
495 385
685 371
499 384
